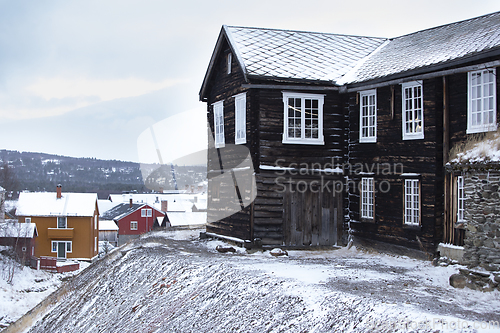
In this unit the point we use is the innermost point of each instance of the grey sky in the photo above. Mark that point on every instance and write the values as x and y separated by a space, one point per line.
86 78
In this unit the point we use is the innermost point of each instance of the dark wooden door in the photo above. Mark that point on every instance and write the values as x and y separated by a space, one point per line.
312 214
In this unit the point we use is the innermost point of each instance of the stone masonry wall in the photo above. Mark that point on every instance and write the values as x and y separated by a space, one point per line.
482 216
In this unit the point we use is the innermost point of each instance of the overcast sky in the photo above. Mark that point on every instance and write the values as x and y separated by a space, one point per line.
88 78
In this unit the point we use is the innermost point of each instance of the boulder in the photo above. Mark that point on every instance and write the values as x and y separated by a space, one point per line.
277 252
225 249
458 281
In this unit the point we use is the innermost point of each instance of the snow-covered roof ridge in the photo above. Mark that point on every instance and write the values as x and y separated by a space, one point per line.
291 54
47 204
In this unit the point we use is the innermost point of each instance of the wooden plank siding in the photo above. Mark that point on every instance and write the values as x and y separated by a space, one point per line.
391 152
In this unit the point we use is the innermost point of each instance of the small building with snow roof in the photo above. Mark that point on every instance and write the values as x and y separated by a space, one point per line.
67 223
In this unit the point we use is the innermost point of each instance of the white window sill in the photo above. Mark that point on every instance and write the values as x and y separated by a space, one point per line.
303 141
240 142
368 140
220 145
481 129
418 136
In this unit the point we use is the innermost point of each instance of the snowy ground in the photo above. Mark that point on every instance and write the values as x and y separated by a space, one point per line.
28 288
174 282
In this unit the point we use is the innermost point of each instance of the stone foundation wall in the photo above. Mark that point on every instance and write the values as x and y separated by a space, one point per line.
482 216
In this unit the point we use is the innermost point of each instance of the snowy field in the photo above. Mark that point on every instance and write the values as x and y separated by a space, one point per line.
174 282
28 288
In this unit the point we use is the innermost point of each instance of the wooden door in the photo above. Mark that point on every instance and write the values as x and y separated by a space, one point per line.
311 214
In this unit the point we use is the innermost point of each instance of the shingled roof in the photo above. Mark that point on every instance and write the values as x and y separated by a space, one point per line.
298 54
342 59
428 48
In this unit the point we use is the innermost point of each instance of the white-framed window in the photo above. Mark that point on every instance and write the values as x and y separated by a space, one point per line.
95 222
133 225
219 124
303 118
27 220
229 61
481 111
367 198
412 201
240 110
62 222
368 116
95 244
413 111
146 212
460 199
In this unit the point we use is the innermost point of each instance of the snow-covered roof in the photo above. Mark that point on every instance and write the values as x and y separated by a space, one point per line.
484 151
107 225
47 204
342 59
430 47
16 229
120 211
298 54
179 206
105 205
179 219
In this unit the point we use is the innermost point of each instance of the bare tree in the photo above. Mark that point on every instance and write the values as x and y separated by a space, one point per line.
8 179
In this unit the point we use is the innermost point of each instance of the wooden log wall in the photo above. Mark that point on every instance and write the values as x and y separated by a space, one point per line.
222 197
422 157
271 114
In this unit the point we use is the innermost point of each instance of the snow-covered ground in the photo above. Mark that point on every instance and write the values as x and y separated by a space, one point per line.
174 282
28 288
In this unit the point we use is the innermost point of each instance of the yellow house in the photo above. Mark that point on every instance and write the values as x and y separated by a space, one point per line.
67 223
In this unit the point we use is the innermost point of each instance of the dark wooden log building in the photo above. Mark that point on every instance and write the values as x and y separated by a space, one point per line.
315 137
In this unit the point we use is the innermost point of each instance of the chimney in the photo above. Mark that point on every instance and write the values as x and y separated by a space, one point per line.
164 206
130 202
59 192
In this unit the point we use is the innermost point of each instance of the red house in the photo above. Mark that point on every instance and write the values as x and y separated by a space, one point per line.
132 219
21 237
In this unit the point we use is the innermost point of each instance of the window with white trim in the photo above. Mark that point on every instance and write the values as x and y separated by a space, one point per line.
368 116
95 244
303 118
133 225
460 199
219 124
240 110
413 111
412 201
482 111
367 198
95 222
229 61
62 222
146 212
27 220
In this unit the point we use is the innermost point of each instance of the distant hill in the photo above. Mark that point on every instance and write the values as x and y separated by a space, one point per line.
43 172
